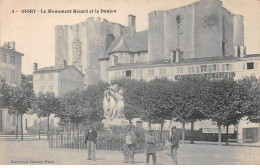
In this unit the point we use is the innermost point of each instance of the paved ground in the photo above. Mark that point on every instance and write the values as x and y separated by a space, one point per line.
38 152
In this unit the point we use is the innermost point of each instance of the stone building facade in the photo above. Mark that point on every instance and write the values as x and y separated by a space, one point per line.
58 80
10 71
82 44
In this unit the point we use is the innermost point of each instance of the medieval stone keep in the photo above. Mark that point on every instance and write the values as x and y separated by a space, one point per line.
203 29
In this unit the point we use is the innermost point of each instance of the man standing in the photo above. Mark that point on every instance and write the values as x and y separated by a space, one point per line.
91 139
150 148
129 148
174 139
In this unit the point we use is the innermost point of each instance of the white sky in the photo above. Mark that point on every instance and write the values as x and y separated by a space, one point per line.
34 34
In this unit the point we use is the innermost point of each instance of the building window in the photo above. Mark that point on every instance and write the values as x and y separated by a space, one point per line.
203 68
162 71
13 60
193 69
210 68
128 73
51 76
3 58
42 76
51 88
214 67
13 76
179 70
150 72
197 69
227 67
250 65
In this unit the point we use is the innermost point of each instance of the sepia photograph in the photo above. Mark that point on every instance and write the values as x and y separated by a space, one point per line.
129 82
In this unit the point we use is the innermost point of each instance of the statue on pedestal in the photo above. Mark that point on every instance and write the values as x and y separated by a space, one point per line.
113 103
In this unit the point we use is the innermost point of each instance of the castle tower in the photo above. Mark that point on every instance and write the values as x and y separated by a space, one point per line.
131 30
84 43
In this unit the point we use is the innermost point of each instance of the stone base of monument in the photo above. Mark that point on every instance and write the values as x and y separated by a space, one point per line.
116 121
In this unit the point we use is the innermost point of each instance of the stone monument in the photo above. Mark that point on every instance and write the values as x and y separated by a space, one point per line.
113 105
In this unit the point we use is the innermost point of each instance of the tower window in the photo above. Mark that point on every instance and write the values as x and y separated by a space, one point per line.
250 65
128 73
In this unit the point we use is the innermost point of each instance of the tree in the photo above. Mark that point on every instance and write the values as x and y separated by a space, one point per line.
251 105
133 93
187 102
225 103
93 97
19 99
73 107
155 101
47 104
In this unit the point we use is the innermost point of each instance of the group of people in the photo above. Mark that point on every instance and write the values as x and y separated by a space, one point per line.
130 145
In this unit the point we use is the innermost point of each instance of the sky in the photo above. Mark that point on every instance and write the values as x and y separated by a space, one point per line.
34 34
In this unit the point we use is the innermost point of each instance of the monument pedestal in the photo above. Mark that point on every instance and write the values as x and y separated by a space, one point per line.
116 121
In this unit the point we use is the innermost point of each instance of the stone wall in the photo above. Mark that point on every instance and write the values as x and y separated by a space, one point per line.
93 35
202 29
156 35
69 80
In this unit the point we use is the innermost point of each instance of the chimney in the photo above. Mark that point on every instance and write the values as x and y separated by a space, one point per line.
242 51
131 30
6 45
178 55
35 67
11 45
64 63
236 51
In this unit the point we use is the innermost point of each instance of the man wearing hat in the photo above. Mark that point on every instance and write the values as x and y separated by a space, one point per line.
150 148
91 139
174 139
129 147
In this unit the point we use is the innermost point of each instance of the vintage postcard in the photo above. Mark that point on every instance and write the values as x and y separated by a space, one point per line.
129 82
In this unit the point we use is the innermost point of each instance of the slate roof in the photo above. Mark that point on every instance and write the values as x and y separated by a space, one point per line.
56 69
184 62
125 43
11 51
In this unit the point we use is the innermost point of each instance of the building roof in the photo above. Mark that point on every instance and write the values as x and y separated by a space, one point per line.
184 62
10 51
125 43
55 69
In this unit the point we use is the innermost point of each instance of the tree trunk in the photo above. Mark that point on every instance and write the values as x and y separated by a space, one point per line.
69 126
130 121
227 135
192 132
48 126
21 126
78 127
39 127
150 125
17 121
183 132
219 135
161 133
